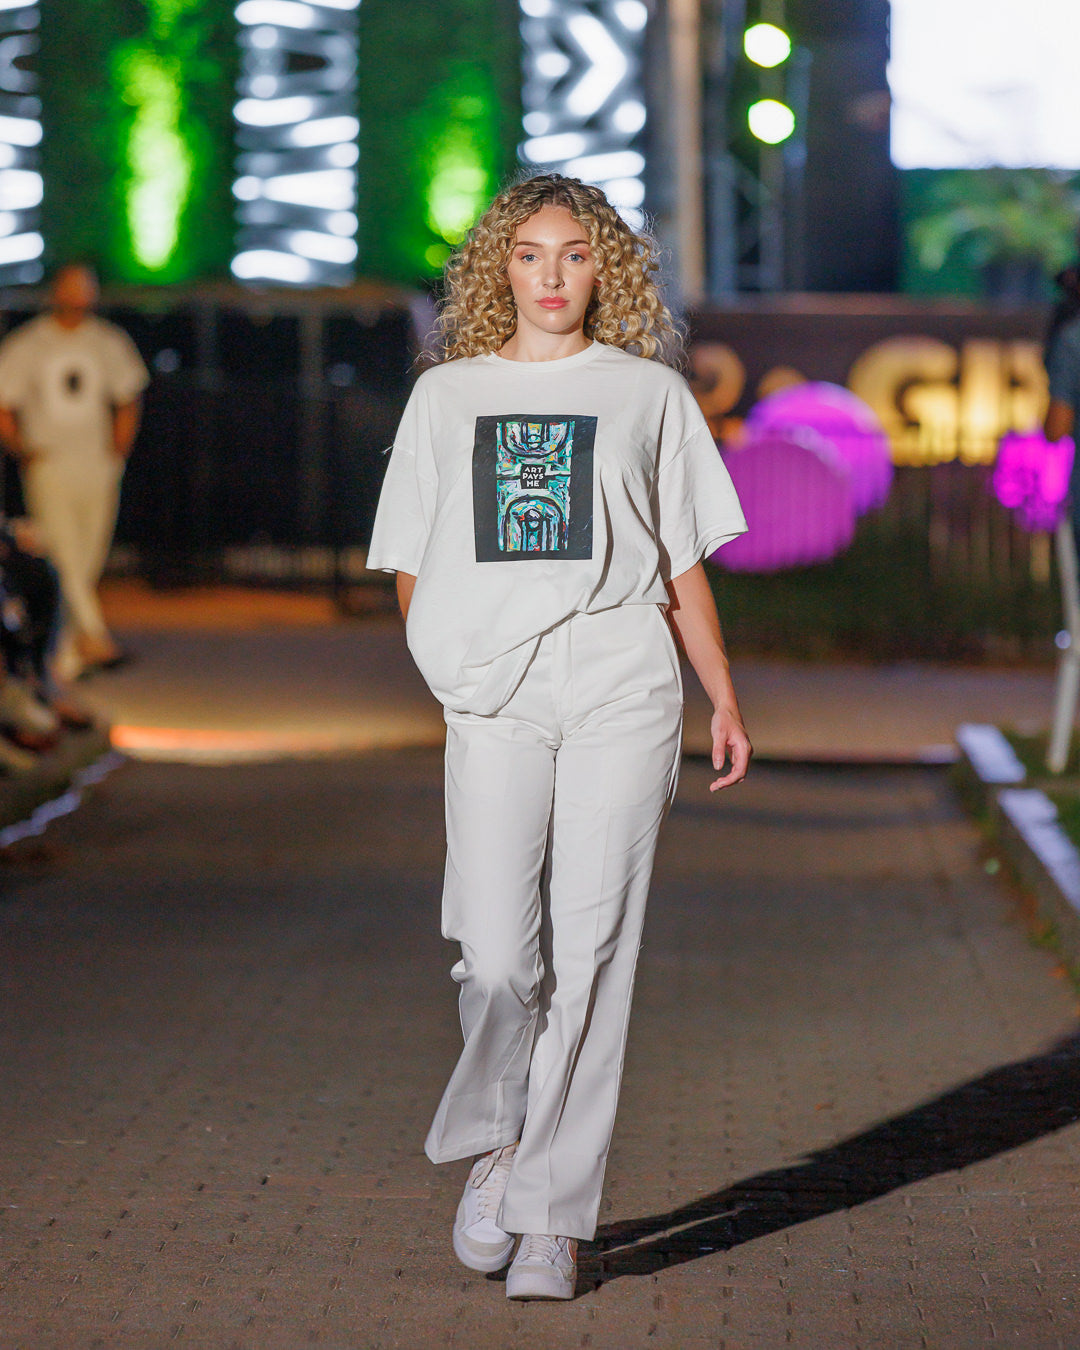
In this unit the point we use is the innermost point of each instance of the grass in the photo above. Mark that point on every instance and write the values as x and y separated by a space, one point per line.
1068 808
1064 791
1031 752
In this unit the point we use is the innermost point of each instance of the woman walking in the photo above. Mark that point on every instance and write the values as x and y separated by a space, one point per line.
552 490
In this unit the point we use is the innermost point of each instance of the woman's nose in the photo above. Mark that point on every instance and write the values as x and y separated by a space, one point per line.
553 275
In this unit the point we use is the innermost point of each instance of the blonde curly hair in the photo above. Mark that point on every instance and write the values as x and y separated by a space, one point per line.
478 314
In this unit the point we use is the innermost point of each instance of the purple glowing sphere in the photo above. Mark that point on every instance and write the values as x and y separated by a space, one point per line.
796 492
841 418
1031 477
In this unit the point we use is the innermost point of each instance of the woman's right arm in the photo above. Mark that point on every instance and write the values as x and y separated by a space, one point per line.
1059 420
406 583
10 435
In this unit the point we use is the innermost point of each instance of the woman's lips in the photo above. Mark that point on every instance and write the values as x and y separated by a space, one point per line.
552 302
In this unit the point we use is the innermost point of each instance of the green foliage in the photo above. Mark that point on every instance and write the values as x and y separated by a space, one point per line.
439 124
959 221
1031 751
1067 802
137 153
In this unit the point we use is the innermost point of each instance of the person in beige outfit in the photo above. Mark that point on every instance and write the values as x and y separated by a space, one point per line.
70 398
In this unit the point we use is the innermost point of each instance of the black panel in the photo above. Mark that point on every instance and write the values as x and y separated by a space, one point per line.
166 340
374 353
258 346
851 202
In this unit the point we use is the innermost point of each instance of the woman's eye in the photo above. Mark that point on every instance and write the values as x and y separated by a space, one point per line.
576 257
526 257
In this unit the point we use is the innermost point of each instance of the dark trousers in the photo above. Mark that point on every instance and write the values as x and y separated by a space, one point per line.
29 609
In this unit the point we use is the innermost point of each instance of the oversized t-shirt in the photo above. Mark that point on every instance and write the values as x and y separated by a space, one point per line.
65 382
521 492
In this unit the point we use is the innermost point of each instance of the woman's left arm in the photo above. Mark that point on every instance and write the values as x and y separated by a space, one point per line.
694 618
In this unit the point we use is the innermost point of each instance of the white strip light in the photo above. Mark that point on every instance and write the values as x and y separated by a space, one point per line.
584 106
21 186
296 131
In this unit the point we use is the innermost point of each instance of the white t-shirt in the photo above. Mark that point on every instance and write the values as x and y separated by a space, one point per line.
64 383
521 492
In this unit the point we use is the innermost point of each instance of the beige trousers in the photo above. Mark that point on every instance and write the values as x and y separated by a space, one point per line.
553 806
73 501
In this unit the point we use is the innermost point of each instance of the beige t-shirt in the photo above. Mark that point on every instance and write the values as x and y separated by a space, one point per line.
64 384
522 492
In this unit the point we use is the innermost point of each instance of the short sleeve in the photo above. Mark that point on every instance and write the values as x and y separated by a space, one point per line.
126 375
407 498
1063 365
695 503
14 371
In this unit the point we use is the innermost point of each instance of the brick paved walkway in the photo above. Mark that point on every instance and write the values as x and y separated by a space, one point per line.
225 1016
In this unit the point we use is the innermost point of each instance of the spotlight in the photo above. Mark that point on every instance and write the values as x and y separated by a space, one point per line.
770 120
766 45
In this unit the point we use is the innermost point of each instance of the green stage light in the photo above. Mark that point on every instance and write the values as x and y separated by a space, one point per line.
160 163
458 182
454 158
159 151
770 120
766 45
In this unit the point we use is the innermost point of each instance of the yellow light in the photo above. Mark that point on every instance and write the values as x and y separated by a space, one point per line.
771 121
766 45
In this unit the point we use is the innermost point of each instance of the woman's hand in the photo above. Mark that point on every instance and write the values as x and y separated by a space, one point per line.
730 742
692 614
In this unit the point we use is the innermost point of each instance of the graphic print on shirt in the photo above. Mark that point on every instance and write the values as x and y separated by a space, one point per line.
70 388
533 486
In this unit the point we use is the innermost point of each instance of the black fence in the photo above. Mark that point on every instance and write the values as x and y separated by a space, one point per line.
264 425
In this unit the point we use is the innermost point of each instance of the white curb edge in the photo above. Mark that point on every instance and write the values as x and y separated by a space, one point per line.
1027 824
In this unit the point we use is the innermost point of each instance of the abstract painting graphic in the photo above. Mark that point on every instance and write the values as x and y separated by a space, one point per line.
532 487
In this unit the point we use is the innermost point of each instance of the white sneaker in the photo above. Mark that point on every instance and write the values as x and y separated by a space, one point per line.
21 711
479 1242
545 1267
13 759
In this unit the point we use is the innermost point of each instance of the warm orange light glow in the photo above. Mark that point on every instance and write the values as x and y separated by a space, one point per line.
219 745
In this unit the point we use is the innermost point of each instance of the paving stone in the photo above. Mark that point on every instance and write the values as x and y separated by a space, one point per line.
849 1116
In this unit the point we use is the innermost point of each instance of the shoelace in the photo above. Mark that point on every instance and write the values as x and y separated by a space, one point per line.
490 1176
541 1247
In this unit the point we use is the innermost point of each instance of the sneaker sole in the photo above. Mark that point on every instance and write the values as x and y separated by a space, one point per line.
542 1291
487 1261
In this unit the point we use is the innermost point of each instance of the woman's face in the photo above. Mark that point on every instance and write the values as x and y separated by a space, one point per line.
551 272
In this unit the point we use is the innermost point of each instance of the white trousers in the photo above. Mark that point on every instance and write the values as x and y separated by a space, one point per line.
553 806
74 502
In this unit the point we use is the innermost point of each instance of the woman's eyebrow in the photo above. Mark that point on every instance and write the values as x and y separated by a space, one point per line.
532 244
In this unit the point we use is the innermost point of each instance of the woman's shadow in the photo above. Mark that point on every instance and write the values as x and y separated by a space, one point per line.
1000 1110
